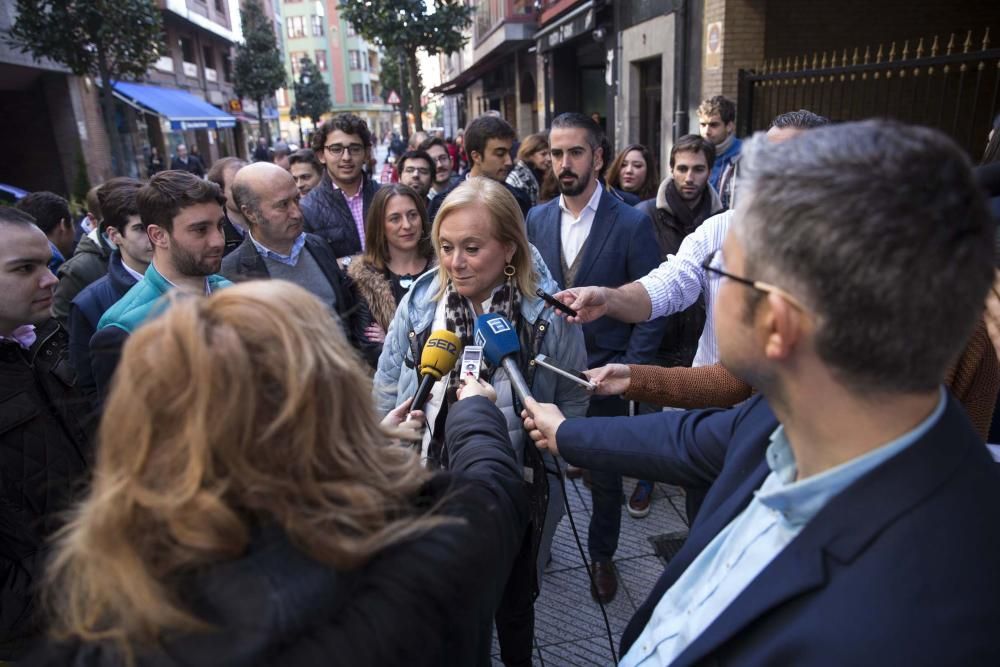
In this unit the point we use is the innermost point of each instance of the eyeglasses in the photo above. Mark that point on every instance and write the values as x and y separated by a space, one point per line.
759 285
442 159
423 171
336 150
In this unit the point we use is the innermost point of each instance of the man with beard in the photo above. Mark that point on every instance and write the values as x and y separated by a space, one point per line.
336 209
489 141
809 547
589 237
182 215
416 170
444 172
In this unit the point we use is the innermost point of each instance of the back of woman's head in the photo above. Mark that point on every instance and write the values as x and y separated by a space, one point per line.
227 412
505 218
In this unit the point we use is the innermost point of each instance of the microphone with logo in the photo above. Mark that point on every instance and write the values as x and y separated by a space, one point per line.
437 359
500 347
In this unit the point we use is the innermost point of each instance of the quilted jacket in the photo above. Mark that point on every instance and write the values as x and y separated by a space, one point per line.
44 454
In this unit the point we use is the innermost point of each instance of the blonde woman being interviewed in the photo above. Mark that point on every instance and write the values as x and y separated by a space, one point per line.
487 265
248 507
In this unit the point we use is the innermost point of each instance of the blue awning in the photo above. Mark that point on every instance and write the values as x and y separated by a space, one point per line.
183 110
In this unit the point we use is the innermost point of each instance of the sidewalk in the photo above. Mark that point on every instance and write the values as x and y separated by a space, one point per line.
569 628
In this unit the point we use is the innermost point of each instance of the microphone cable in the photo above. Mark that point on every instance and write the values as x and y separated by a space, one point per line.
558 473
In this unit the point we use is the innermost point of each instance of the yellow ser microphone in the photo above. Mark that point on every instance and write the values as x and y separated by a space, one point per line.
437 359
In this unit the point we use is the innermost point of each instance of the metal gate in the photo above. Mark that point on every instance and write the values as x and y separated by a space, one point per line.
955 90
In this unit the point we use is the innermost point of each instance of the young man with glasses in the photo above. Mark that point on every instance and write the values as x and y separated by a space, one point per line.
416 169
337 207
854 514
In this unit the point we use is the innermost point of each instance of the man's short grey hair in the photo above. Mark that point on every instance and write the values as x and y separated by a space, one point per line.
245 198
802 119
880 230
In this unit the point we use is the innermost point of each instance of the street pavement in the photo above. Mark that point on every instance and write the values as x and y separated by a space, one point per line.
569 628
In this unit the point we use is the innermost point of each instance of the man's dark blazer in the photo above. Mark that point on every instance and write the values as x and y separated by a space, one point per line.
325 213
194 165
621 248
245 263
901 568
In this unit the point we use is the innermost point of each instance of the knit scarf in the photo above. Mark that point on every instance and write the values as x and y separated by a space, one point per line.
460 319
689 218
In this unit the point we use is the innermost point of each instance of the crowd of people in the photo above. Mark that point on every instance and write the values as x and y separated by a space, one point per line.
210 452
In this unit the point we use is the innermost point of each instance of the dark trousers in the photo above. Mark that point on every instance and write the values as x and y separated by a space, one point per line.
515 617
606 491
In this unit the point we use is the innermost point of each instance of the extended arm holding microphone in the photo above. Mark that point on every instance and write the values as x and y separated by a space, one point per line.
500 347
436 360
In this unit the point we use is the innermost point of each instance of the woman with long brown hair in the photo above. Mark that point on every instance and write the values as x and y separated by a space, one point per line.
398 249
247 503
633 174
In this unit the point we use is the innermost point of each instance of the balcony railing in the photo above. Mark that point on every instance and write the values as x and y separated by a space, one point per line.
191 70
490 14
211 75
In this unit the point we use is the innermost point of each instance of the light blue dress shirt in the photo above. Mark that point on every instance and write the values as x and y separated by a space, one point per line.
291 259
778 512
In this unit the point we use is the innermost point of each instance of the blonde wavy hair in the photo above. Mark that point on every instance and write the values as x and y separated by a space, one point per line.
243 408
508 227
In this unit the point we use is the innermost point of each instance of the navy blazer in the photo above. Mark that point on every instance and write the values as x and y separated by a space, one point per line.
621 248
901 568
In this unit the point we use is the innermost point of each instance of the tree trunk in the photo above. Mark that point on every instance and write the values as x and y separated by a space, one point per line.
265 129
404 97
413 69
108 112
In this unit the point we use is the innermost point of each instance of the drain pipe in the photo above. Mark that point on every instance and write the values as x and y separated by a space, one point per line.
682 37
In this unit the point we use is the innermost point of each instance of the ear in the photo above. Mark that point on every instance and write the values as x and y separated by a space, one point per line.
476 157
510 249
598 158
783 326
158 236
113 235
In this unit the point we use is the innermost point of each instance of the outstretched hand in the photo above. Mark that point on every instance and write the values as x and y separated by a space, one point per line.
590 303
610 380
405 424
541 421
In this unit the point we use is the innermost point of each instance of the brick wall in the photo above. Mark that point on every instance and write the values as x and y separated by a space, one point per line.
743 23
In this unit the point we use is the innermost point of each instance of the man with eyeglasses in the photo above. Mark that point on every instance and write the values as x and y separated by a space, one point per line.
854 514
444 168
337 207
416 169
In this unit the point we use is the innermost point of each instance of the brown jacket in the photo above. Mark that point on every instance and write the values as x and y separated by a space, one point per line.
974 381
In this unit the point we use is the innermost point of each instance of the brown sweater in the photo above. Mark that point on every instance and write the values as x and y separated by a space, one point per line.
974 381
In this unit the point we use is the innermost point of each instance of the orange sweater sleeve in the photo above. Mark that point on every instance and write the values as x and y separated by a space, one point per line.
683 387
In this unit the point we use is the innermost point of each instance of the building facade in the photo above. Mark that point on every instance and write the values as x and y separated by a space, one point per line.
349 64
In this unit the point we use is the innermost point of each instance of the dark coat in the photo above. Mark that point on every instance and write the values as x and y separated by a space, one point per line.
84 314
88 263
247 264
194 165
523 201
427 601
232 235
900 568
326 214
44 455
621 248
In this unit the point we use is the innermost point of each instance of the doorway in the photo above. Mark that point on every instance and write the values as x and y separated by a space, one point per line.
651 106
